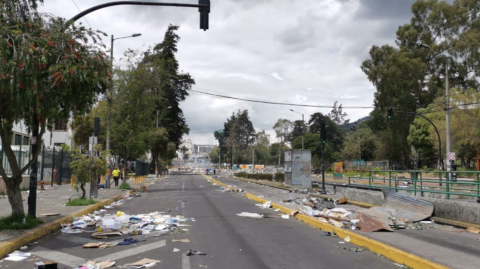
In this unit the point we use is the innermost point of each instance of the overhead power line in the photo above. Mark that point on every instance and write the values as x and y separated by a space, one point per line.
81 11
274 103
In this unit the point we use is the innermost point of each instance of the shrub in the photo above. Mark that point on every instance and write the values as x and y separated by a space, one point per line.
81 202
376 169
124 186
279 177
18 222
254 176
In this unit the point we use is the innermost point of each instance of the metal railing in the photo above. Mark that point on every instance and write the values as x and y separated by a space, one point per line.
421 182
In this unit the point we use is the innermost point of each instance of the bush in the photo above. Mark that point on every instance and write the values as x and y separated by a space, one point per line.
376 169
124 186
16 222
81 202
255 176
279 177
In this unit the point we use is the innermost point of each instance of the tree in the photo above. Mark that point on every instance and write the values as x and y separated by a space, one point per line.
337 115
283 128
335 134
360 145
45 68
167 85
407 76
239 134
86 169
298 130
214 155
129 124
82 126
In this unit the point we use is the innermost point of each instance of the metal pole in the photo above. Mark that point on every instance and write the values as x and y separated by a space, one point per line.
109 98
302 133
447 96
43 162
32 194
253 159
60 169
323 169
53 166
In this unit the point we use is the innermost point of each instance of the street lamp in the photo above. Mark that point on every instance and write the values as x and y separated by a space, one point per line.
447 108
111 85
303 122
109 98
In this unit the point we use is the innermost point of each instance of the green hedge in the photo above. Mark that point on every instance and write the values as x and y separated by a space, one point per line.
279 177
255 176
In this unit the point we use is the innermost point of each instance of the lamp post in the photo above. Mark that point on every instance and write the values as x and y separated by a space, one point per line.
447 106
109 100
303 122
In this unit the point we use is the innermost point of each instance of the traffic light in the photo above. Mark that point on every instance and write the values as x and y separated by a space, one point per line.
204 11
96 126
390 113
323 132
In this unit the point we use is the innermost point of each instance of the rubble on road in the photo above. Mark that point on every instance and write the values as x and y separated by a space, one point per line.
250 215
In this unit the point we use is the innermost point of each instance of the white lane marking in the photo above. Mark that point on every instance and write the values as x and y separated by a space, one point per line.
183 204
185 262
183 187
63 258
76 239
133 251
74 261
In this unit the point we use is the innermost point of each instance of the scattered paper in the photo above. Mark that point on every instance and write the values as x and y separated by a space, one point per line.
142 262
473 230
347 239
181 240
176 250
285 216
250 215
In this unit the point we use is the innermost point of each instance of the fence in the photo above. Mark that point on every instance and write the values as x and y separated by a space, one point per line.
49 159
419 183
365 165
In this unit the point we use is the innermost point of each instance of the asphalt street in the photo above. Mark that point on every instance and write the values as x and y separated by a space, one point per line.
230 241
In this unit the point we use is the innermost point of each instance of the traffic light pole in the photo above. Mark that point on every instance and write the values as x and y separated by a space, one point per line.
439 140
203 6
324 191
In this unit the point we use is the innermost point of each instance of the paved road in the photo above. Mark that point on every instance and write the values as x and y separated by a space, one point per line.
230 241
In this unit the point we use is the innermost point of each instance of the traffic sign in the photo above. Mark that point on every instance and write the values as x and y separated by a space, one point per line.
451 156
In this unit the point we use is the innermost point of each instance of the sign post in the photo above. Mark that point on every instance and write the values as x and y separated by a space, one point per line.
338 170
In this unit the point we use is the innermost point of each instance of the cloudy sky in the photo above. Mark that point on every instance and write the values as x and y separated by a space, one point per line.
292 51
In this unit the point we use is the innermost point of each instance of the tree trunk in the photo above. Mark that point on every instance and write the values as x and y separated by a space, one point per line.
82 186
14 195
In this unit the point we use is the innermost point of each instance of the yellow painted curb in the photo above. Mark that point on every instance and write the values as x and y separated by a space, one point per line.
455 222
390 252
48 228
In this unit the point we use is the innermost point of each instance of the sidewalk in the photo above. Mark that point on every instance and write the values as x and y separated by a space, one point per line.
53 200
452 249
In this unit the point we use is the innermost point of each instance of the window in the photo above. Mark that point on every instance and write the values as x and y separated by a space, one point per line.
26 140
18 140
60 125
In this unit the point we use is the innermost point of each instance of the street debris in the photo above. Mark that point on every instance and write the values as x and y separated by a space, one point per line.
45 265
176 250
285 216
267 204
250 215
142 263
181 240
97 265
17 256
194 252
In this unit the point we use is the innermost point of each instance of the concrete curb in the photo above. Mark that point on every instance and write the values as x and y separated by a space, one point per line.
49 228
390 252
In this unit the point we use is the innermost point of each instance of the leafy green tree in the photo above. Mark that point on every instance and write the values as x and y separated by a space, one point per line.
45 68
87 169
214 155
298 130
277 151
335 134
283 128
360 144
82 126
168 86
239 133
337 115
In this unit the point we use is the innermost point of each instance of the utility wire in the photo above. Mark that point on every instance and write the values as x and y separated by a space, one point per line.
274 103
81 11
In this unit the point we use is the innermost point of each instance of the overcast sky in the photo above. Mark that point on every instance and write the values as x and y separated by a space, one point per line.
294 51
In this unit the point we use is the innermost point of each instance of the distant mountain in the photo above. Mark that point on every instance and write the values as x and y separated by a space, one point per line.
349 125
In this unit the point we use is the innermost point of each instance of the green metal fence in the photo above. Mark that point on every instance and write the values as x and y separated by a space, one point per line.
417 183
22 155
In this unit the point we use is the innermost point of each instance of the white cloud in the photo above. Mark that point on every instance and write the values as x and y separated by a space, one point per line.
314 47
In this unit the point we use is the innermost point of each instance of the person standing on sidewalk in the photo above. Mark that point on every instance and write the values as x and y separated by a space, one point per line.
116 176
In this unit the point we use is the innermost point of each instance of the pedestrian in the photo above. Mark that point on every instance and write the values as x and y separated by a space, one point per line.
214 172
116 176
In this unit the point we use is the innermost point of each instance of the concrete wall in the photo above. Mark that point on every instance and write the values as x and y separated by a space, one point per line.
454 209
364 196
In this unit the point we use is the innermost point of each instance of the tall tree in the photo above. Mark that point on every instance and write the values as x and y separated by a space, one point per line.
45 68
335 134
239 133
283 128
337 115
